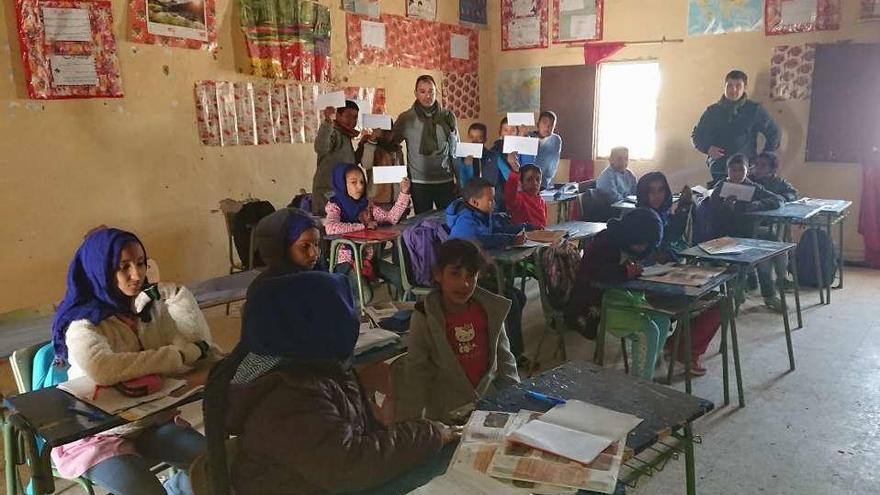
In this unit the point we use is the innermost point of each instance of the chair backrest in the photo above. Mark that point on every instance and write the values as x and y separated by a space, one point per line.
22 363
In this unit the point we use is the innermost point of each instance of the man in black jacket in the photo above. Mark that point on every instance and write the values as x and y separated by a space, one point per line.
732 125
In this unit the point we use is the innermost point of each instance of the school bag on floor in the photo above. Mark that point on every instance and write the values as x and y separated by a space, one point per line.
806 259
560 262
421 240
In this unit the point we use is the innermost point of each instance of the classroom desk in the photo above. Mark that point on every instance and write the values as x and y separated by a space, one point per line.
668 413
563 204
760 250
226 289
790 214
832 212
357 244
506 261
579 231
682 302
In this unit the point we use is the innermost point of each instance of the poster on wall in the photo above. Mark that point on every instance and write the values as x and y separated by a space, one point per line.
68 49
577 20
473 12
365 7
174 23
422 9
287 40
524 24
801 16
461 94
870 11
791 72
519 90
724 16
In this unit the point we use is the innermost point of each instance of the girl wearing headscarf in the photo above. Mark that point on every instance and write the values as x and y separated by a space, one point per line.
289 241
303 422
112 326
654 192
615 256
350 210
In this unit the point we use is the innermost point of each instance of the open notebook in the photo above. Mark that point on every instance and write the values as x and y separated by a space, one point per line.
112 401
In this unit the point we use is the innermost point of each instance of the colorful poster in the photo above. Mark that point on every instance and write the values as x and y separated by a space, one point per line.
791 72
287 40
519 90
473 12
870 11
68 49
422 9
461 94
724 16
577 20
801 16
174 23
524 24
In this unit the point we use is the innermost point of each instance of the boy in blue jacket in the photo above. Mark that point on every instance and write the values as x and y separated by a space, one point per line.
471 218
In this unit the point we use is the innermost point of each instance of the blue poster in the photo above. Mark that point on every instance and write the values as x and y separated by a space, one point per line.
724 16
472 12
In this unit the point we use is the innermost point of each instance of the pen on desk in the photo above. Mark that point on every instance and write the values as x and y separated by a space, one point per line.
545 398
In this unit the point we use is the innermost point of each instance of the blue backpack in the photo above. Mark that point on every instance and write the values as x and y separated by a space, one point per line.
806 259
421 240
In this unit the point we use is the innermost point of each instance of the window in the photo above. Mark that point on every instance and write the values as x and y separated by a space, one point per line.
627 113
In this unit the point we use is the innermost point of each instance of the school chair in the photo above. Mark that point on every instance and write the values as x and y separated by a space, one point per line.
198 472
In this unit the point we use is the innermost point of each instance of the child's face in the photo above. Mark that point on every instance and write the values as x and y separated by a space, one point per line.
347 117
485 202
355 184
545 126
734 89
131 273
476 136
736 173
619 160
508 130
530 182
762 169
305 250
457 284
656 194
426 93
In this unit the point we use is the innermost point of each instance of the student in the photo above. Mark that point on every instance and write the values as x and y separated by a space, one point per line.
378 149
522 195
109 328
431 135
458 348
549 147
333 145
471 217
727 213
654 193
765 172
469 166
289 241
617 180
350 210
296 405
615 256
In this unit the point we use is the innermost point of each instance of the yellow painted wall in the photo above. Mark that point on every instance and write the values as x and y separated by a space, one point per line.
692 76
137 162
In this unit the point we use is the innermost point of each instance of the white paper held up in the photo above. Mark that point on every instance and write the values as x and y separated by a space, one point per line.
373 34
459 46
522 145
335 99
67 24
741 192
469 149
388 175
520 118
377 121
798 12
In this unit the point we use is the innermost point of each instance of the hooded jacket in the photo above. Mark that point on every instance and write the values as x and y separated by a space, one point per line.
492 231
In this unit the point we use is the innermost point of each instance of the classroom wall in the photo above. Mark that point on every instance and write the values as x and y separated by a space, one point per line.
137 162
693 73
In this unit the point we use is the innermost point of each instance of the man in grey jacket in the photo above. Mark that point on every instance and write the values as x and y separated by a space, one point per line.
431 135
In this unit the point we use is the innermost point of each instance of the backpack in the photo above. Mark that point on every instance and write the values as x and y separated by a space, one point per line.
559 266
244 221
704 222
421 240
303 201
806 261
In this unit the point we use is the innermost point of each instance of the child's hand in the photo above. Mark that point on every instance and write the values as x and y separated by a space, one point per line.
405 186
468 160
365 216
715 152
371 225
634 269
513 161
520 239
450 433
329 112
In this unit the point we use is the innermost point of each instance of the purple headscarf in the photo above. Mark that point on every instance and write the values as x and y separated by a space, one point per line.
350 207
92 293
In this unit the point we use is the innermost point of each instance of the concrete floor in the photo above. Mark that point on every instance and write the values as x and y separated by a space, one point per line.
814 431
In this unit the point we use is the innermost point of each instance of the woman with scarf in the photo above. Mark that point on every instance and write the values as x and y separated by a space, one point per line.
289 241
112 326
615 256
431 136
654 193
303 422
732 125
333 145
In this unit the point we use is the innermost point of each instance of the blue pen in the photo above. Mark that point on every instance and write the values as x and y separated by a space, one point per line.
556 401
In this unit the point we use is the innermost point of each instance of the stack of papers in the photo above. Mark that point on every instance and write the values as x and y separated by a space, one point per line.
723 245
373 338
112 401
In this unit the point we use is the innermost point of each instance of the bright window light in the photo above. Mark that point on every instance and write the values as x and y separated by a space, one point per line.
627 114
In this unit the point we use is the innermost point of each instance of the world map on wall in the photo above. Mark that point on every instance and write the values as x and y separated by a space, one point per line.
724 16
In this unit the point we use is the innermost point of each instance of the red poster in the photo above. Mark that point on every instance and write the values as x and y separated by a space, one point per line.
789 16
76 56
524 24
461 94
185 25
578 25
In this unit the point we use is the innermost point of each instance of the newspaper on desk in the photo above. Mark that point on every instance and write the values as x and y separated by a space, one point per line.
723 245
112 401
689 275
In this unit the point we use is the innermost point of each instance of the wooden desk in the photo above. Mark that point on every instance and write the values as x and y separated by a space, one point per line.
563 204
667 413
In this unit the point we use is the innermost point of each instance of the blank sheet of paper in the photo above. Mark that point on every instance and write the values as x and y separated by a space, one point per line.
335 99
388 175
459 46
377 121
469 149
522 145
520 118
373 34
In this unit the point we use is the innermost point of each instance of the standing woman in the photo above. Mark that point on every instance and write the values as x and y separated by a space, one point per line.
431 135
111 329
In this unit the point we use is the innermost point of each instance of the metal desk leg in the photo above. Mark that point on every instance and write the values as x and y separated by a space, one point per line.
830 280
11 455
676 337
725 327
819 274
690 475
840 251
792 261
599 355
787 324
736 364
686 321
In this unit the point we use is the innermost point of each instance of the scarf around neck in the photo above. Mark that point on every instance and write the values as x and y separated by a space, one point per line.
733 107
431 117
